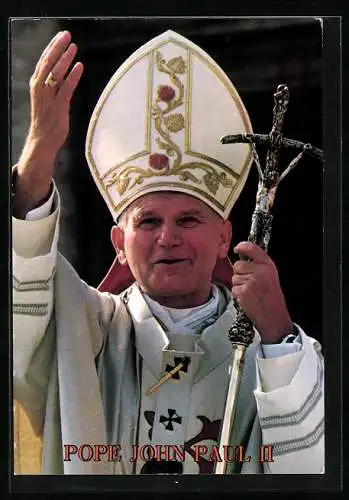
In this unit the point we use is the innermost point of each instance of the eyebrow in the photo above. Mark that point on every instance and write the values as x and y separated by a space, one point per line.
146 213
153 213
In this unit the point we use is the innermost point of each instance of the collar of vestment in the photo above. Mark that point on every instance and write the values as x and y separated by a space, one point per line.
207 349
189 320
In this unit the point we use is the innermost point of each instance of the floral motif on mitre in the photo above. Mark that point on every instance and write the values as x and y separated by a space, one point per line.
166 122
174 122
166 93
177 65
158 161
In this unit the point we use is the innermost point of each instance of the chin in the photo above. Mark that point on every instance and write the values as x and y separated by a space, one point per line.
169 289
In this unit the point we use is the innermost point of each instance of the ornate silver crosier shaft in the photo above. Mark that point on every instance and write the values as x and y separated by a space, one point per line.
241 333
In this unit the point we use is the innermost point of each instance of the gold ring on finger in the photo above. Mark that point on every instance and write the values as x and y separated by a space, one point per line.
51 80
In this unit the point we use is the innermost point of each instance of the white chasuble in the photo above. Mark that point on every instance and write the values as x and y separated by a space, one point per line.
179 420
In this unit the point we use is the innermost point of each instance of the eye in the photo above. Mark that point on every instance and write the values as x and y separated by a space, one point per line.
188 221
149 223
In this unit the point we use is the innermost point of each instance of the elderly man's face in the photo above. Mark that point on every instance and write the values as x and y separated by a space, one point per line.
171 242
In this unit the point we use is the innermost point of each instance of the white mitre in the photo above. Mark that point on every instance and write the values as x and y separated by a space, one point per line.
157 127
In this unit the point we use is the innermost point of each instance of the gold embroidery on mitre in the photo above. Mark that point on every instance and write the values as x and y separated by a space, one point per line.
167 122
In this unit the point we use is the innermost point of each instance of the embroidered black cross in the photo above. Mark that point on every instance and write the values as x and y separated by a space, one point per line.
172 417
177 360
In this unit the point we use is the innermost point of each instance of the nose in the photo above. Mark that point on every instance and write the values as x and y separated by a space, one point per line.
169 235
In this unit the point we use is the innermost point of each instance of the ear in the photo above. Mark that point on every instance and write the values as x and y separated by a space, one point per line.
118 239
226 235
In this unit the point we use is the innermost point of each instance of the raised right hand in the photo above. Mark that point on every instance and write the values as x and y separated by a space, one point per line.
49 123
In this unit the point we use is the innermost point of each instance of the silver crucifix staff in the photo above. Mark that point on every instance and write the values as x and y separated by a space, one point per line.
241 333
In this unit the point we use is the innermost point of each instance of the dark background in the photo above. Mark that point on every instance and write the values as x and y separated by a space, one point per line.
257 54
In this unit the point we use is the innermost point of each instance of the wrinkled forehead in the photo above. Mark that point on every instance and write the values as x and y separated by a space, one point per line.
168 203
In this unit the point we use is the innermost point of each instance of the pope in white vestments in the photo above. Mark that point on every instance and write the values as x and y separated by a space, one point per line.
115 380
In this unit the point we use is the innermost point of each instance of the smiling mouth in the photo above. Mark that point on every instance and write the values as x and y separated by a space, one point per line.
170 261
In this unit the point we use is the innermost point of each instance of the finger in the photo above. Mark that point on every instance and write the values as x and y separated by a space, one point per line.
244 267
251 251
238 280
62 66
45 52
66 90
52 56
47 48
237 292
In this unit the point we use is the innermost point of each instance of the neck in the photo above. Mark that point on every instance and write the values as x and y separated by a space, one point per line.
184 301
